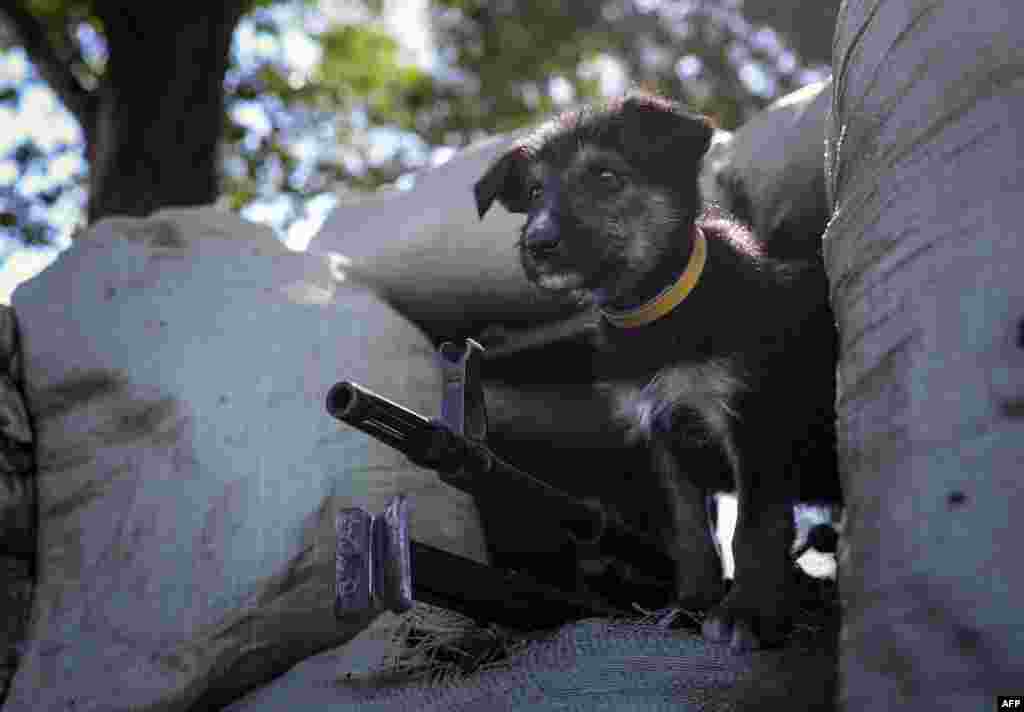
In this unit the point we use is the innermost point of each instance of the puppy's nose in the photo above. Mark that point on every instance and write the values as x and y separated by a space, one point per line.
540 242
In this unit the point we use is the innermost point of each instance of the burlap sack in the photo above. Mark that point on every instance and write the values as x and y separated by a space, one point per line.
924 254
771 172
430 256
188 478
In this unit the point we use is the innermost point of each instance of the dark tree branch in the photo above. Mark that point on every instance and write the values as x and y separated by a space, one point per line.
54 70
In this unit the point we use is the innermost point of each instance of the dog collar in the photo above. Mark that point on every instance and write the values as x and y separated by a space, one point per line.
671 296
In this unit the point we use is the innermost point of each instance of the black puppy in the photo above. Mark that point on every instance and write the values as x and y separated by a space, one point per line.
724 358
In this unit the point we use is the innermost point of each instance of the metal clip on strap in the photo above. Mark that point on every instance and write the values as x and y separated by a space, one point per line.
463 410
373 571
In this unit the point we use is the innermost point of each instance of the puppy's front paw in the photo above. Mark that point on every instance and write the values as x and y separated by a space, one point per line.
749 619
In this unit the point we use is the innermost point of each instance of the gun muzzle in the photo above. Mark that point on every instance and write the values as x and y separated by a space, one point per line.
376 416
471 467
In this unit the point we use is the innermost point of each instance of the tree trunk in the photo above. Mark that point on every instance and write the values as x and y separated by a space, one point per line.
154 140
925 258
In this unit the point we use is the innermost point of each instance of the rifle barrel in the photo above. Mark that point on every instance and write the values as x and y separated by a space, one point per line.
473 468
378 417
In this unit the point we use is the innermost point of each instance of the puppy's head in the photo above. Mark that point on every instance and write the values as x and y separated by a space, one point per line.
609 193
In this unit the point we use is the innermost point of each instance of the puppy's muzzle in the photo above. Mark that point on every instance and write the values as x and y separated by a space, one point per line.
541 248
540 243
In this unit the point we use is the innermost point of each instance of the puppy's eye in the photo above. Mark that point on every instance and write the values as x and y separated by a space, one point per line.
534 192
610 180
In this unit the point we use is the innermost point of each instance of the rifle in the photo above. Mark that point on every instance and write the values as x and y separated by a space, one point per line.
376 557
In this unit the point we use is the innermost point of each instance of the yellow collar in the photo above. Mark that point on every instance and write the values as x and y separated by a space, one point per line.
671 296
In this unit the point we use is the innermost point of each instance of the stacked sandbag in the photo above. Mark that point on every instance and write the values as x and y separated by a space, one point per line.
17 502
587 665
176 369
771 173
428 254
924 255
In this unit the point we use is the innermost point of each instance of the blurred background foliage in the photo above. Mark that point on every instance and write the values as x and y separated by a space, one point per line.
324 99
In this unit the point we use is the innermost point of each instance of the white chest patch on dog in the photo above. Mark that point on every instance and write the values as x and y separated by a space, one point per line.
705 390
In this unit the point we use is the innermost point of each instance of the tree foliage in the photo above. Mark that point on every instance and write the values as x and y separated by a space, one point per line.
308 102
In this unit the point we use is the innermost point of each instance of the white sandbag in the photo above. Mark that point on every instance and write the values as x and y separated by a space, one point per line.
189 475
770 172
429 255
925 256
427 252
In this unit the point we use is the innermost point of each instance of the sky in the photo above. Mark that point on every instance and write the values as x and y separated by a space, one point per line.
41 117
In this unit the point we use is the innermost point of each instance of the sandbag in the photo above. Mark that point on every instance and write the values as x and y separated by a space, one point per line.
429 255
17 502
770 173
588 665
17 463
176 368
925 258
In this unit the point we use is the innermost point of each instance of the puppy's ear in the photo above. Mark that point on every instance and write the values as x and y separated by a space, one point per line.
504 180
658 126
